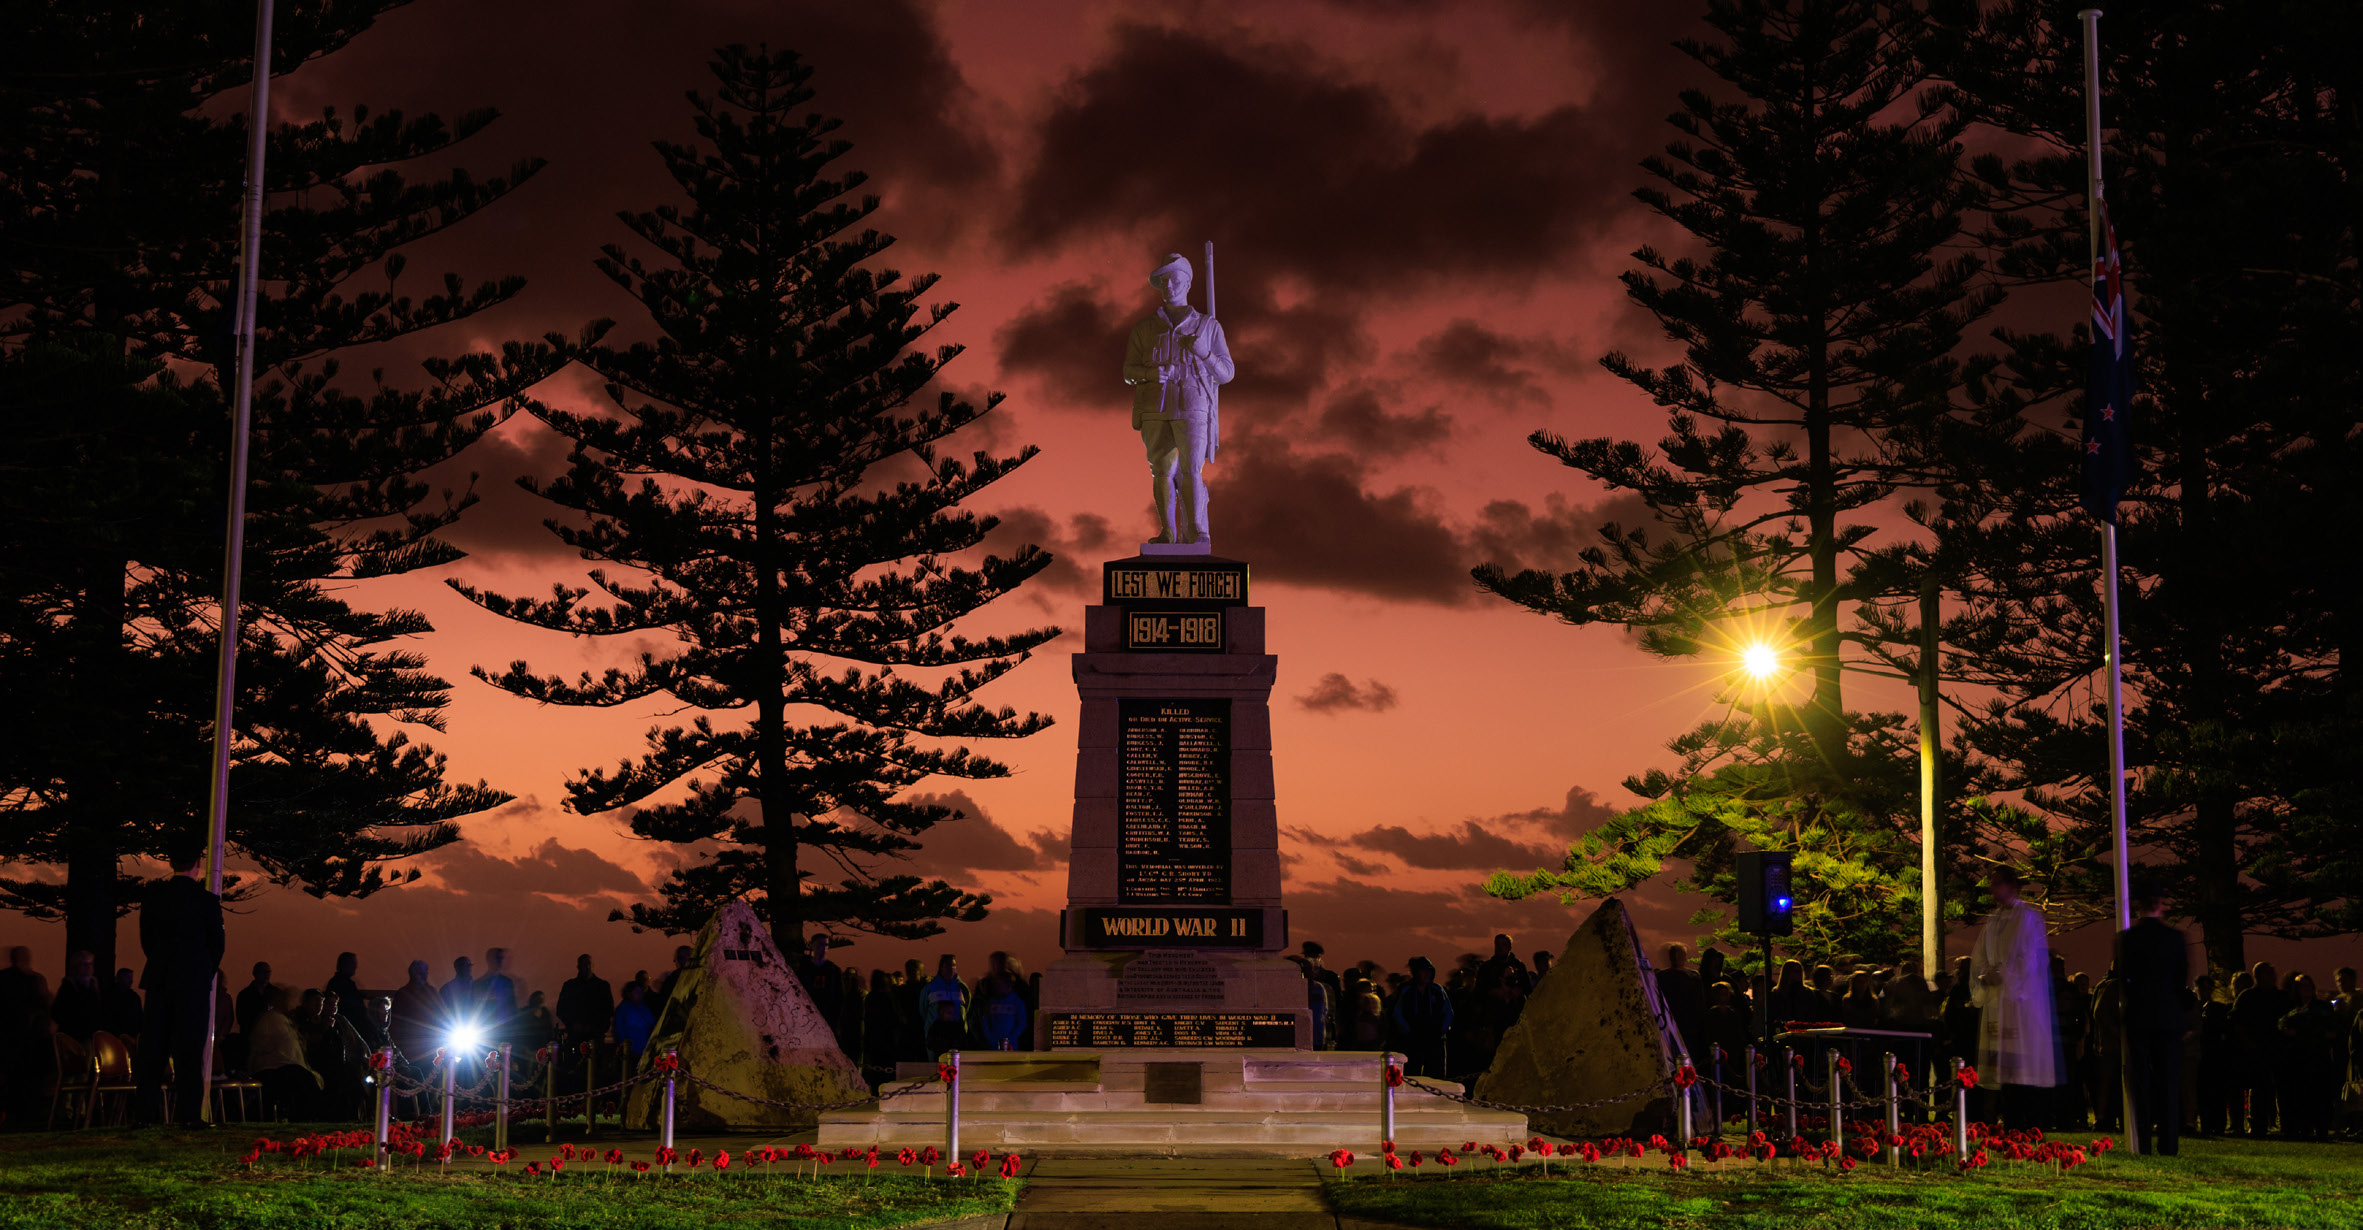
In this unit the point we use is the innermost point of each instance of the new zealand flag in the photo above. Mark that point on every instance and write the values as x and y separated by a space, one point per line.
2109 461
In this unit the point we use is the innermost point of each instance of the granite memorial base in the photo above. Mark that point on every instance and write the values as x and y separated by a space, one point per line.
1170 1101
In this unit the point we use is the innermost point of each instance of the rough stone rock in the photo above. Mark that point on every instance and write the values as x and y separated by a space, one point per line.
1592 1029
740 1019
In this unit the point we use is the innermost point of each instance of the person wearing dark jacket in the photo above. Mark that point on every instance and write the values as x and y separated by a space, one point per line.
350 1003
80 1008
586 1004
181 934
2153 961
2256 1022
1422 1017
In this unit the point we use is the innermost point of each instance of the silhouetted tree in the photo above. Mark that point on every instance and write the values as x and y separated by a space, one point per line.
119 225
2234 156
1825 188
769 476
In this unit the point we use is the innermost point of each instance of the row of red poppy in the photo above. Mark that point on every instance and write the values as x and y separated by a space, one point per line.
1919 1142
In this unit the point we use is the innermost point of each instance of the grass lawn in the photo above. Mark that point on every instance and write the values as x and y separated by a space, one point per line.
160 1179
2213 1184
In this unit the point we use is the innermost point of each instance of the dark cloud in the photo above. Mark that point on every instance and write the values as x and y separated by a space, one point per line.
550 868
1073 341
1348 191
1309 519
1498 366
1360 419
1475 846
1334 693
957 849
1517 841
1356 867
507 520
1079 543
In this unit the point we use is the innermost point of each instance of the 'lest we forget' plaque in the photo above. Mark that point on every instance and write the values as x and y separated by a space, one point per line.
1173 802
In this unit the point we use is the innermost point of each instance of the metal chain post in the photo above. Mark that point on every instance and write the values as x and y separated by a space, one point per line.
500 1109
1751 1063
590 1083
1717 1130
1894 1115
385 1105
1837 1100
1788 1064
666 1128
1386 1098
450 1064
1960 1112
550 1096
952 1109
1682 1102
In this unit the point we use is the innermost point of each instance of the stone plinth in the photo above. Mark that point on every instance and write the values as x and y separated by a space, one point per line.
1203 1102
1173 882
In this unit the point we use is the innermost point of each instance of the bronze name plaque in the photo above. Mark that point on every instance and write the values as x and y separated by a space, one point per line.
1173 802
1107 1030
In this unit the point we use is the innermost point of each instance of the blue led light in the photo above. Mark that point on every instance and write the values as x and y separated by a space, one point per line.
1780 903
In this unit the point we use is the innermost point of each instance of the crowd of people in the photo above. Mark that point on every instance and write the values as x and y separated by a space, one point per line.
2269 1053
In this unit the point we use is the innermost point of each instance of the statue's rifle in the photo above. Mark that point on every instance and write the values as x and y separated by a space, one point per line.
1214 430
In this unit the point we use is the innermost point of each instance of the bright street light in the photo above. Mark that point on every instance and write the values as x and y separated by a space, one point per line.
465 1038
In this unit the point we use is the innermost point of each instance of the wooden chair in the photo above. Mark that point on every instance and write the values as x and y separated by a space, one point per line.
74 1078
110 1073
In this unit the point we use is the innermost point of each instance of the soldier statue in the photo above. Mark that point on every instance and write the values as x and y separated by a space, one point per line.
1177 362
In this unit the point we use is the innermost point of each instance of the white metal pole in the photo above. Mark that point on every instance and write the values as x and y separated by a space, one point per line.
1894 1114
385 1105
666 1126
1682 1104
2108 555
450 1097
500 1117
1837 1101
1960 1112
250 247
1788 1064
952 1111
1751 1065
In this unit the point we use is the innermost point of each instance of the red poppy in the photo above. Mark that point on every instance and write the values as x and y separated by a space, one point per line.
556 1165
668 1062
1394 1076
954 1170
640 1168
365 1162
533 1167
614 1156
907 1156
1685 1076
1445 1157
1394 1162
1386 1146
666 1155
1846 1163
1967 1077
927 1156
1678 1160
1903 1075
947 1073
722 1159
1010 1166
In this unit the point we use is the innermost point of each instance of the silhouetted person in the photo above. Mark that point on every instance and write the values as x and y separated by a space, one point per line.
586 1004
80 1008
1422 1016
2256 1022
822 979
1504 966
2308 1084
417 1011
682 956
2154 961
496 992
181 935
1326 1037
1685 998
1542 964
256 997
634 1020
125 1012
350 1004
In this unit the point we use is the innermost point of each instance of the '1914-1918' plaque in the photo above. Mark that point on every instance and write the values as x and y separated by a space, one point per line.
1173 805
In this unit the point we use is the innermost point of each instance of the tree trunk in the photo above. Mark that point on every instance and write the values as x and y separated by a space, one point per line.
1825 719
94 802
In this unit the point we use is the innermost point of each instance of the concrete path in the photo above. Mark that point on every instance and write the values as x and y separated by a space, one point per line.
1172 1194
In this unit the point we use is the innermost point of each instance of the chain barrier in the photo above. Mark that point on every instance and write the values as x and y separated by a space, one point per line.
1595 1104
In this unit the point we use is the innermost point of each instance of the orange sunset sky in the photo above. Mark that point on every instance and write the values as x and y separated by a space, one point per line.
1420 212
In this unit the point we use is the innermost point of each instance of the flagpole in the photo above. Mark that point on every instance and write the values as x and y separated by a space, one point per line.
258 126
2108 558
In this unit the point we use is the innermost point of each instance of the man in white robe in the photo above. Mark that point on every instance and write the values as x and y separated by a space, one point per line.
2011 985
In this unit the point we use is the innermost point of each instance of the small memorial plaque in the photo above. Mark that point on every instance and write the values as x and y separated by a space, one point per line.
1173 802
1173 631
1104 1030
1168 927
1164 977
1173 1084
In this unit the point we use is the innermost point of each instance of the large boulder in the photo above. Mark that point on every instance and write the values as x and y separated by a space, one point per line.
1592 1029
740 1019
